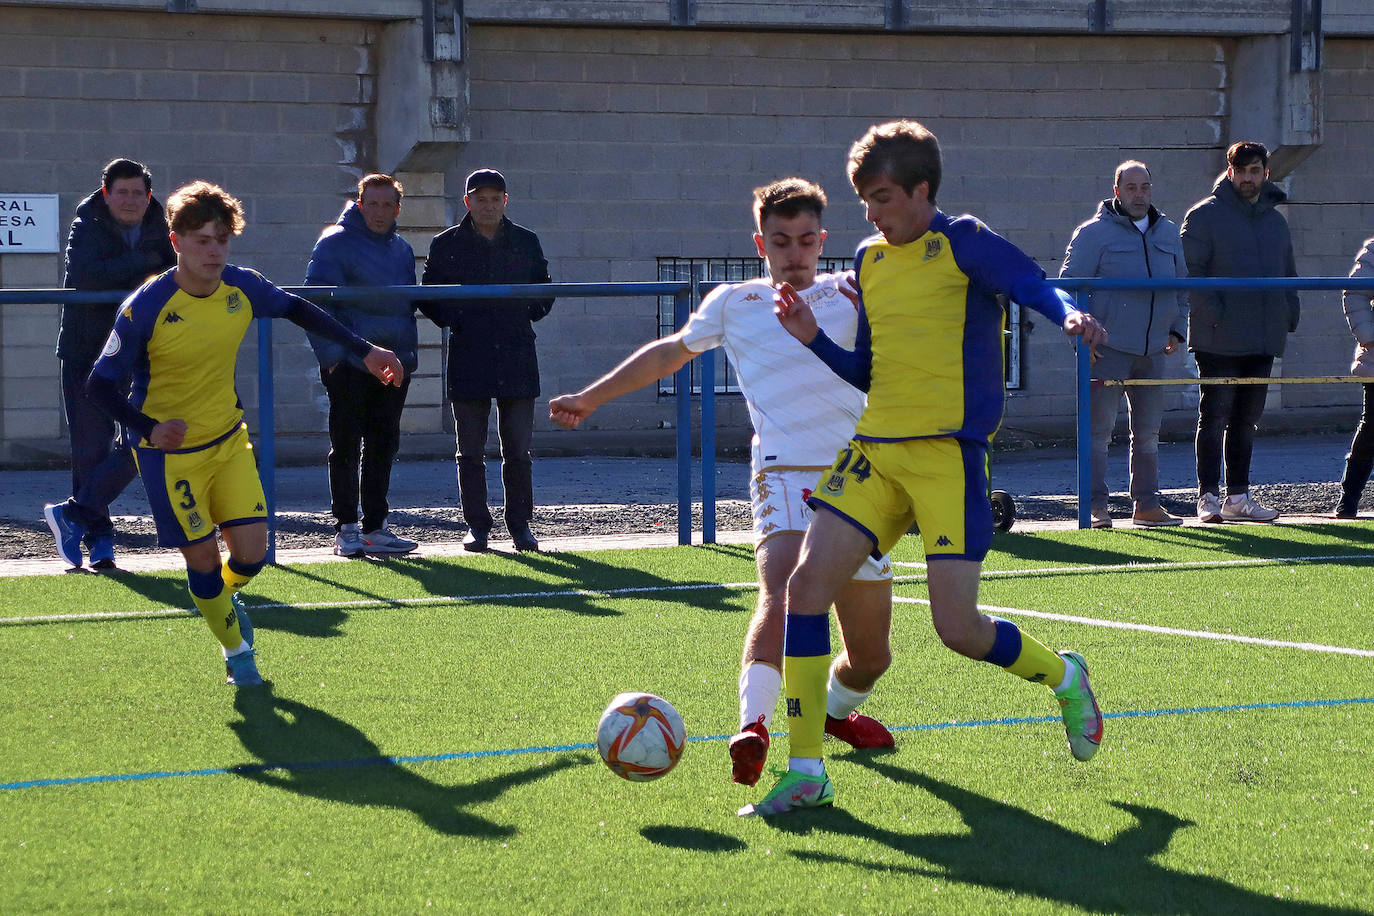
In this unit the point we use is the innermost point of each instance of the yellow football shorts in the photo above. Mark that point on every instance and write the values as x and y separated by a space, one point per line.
941 484
193 491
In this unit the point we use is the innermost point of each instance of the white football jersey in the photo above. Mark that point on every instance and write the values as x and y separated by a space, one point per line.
803 413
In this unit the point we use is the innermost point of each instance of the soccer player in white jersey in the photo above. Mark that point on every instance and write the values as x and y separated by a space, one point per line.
802 415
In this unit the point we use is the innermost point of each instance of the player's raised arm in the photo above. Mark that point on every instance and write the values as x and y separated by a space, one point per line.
649 363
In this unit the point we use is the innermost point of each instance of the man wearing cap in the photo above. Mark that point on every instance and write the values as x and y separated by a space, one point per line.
491 352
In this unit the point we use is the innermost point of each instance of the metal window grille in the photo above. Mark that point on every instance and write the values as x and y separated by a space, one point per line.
734 270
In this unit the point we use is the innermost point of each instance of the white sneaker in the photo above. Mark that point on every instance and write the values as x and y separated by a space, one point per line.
1101 518
349 541
383 541
1242 508
1209 508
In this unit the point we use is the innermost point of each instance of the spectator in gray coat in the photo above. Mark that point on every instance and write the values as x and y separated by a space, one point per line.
1129 237
1359 314
1236 232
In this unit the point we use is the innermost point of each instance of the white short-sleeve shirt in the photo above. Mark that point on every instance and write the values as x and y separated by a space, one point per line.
803 413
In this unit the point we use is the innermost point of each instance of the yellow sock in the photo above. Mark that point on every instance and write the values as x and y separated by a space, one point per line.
1025 656
216 607
805 668
232 580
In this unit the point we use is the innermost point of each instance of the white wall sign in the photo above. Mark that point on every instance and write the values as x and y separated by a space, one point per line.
28 224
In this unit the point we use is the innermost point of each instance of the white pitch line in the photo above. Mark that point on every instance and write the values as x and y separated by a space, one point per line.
1154 567
1166 631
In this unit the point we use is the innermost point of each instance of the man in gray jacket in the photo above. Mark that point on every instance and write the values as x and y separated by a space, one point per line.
1128 237
1236 232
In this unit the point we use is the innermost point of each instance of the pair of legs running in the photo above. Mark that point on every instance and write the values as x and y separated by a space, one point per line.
215 586
865 614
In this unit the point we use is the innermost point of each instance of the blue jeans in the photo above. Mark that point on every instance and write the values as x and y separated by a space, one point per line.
1227 417
1146 410
102 466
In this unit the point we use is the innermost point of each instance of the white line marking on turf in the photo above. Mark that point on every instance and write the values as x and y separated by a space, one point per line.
1151 628
700 586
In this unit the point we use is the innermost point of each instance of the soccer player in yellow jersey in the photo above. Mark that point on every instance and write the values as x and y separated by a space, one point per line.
929 353
167 376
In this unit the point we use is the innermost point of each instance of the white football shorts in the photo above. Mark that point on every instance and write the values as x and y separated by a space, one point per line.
777 497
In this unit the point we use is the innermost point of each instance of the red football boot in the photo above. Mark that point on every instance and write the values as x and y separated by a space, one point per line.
748 751
862 732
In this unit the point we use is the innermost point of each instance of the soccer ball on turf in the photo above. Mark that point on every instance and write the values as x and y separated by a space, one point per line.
640 736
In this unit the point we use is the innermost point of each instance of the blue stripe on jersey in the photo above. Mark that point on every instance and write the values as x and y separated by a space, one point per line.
808 635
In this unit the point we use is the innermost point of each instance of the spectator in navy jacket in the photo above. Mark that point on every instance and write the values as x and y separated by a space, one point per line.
363 248
118 239
491 352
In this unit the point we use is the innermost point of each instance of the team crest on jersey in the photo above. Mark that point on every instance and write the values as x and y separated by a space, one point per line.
195 521
933 247
834 485
233 302
112 344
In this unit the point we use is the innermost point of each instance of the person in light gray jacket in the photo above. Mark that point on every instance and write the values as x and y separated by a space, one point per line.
1359 314
1236 232
1129 237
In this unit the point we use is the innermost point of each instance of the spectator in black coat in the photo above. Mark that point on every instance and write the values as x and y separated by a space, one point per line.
118 239
491 352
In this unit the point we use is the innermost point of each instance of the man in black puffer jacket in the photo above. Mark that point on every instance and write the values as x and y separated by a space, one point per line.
1237 232
490 352
118 239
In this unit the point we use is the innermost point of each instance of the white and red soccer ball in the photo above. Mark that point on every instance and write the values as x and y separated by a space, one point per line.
640 736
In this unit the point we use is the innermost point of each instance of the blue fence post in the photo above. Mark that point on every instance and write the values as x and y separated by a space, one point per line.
682 383
1084 378
708 447
267 437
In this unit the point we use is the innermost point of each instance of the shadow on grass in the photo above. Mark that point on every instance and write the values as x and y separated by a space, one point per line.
349 768
509 581
1009 849
694 839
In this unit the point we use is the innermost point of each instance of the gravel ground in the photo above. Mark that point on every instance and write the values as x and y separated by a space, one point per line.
28 538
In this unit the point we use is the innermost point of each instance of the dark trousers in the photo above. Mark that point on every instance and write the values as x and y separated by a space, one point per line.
364 430
102 466
1360 461
1228 416
514 429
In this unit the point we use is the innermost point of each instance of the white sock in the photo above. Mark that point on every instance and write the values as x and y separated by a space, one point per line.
840 700
1070 676
760 685
243 647
811 766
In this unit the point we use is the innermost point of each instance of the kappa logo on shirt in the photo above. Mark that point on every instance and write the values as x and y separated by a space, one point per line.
943 541
172 318
879 256
753 297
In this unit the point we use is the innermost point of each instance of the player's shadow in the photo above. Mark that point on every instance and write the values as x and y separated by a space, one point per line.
344 765
1034 546
694 839
160 590
568 584
1009 849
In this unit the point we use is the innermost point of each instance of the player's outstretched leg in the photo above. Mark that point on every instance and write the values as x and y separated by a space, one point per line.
1082 718
748 751
859 731
793 790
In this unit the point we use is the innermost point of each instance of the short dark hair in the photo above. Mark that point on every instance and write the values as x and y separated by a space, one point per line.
788 197
1244 152
194 205
378 180
904 151
1126 167
118 169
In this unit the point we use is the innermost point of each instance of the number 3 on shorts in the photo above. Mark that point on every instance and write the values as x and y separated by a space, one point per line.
183 487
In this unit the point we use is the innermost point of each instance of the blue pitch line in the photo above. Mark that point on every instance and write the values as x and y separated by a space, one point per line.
250 768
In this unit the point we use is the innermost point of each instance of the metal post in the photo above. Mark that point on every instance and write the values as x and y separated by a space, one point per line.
682 383
267 438
1084 438
708 447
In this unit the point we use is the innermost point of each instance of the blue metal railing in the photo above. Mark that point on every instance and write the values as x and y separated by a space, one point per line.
266 434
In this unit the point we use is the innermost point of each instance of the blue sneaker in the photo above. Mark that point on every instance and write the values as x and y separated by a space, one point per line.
242 671
102 552
245 625
67 532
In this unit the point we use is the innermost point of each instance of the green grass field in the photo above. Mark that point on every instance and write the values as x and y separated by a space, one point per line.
427 741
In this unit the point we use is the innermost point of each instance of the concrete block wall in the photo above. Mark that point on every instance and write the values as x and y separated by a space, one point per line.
622 146
1332 213
277 110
